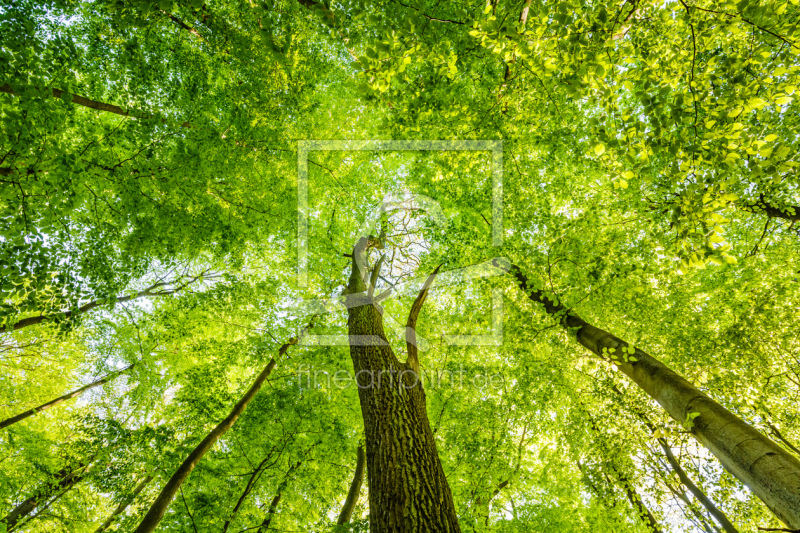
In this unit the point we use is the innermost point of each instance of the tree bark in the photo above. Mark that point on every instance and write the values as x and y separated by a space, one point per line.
91 104
124 504
408 491
64 480
159 507
767 469
77 392
355 488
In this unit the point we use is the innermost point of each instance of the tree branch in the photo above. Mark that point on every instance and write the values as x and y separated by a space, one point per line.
411 333
93 104
77 392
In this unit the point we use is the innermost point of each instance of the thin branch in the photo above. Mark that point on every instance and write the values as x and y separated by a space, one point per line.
30 412
92 104
411 324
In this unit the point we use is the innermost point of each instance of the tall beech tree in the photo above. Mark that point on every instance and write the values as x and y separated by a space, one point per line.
408 490
766 468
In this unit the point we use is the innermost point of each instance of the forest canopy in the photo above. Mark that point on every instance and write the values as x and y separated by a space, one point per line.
399 266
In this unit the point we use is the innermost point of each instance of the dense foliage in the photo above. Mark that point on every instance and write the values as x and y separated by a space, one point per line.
149 232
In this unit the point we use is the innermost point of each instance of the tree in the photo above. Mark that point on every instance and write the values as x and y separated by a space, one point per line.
399 441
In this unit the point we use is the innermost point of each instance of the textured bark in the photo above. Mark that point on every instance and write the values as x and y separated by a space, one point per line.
124 504
91 104
408 491
355 488
767 469
63 481
159 507
77 392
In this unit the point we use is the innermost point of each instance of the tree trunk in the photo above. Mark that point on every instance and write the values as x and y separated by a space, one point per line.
767 469
355 488
64 480
408 491
159 507
642 510
702 521
124 504
254 477
77 392
712 509
630 491
273 506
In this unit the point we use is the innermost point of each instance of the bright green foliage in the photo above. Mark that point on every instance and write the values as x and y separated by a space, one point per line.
649 183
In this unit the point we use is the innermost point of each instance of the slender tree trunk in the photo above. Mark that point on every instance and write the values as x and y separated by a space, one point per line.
124 504
642 510
771 472
77 392
712 509
273 506
63 481
91 104
592 487
355 488
698 493
159 507
250 484
408 491
630 490
701 520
